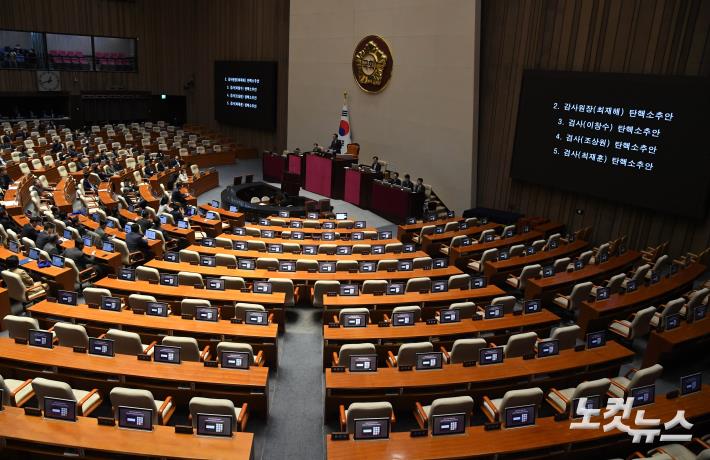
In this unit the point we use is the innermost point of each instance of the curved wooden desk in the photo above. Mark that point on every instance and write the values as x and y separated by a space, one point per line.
461 254
499 269
246 254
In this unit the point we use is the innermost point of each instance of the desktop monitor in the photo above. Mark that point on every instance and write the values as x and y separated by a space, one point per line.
312 215
171 256
341 215
477 282
578 264
386 235
60 409
448 424
182 224
87 241
691 383
368 266
630 286
110 224
100 347
267 233
68 235
166 354
488 237
408 248
209 215
287 266
262 287
440 263
344 250
207 314
532 306
296 224
265 222
58 261
428 361
493 312
592 402
239 245
39 338
110 303
490 355
503 255
549 347
33 254
377 249
208 261
67 297
275 248
359 224
239 231
256 317
520 416
284 214
310 250
328 226
233 208
214 425
246 264
107 246
403 318
395 288
135 418
530 250
156 309
439 286
449 315
439 229
672 321
548 271
596 339
354 320
349 289
13 246
405 265
411 220
214 203
214 284
163 220
168 279
234 359
372 428
603 293
300 236
643 395
363 363
208 242
699 312
326 267
127 274
357 236
328 236
151 235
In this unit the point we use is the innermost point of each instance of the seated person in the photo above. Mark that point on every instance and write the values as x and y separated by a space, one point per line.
145 222
407 182
419 186
178 197
43 236
82 260
394 179
51 247
376 166
13 265
29 230
136 242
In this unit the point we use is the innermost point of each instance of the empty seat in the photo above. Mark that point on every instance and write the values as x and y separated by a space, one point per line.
460 281
190 279
465 350
71 335
443 406
189 349
374 286
142 399
418 284
489 255
86 401
200 405
466 309
622 386
286 286
566 336
407 354
321 288
188 306
520 344
147 274
363 410
19 326
520 282
494 409
128 343
241 308
16 392
342 357
637 325
255 359
580 293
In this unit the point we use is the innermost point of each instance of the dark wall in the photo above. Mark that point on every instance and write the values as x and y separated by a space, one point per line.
177 42
664 37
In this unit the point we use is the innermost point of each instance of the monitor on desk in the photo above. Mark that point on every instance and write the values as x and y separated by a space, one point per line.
439 229
493 311
368 266
60 409
592 402
246 264
207 314
101 347
208 242
349 290
127 274
672 321
296 224
107 246
326 267
312 215
405 265
40 338
234 359
163 219
214 425
403 318
33 254
239 245
233 208
363 363
341 215
110 303
643 395
87 241
699 312
67 297
168 279
532 306
239 231
214 203
548 347
265 222
208 261
359 224
477 282
68 235
630 286
344 250
156 309
256 317
384 235
262 287
135 418
463 225
354 320
377 249
448 424
298 236
214 284
357 236
411 220
372 428
520 416
596 339
310 250
503 255
275 248
603 293
287 266
328 236
328 225
151 235
284 214
548 271
13 246
171 256
166 354
439 286
110 224
492 355
430 361
440 262
691 383
395 288
182 224
449 315
58 261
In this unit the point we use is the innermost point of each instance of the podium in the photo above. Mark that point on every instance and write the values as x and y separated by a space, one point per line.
395 203
358 186
326 176
273 167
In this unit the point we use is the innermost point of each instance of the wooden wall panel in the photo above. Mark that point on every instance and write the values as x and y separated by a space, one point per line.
665 37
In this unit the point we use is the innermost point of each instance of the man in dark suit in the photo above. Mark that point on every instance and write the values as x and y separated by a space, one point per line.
394 180
144 222
178 197
376 166
136 242
407 182
29 230
76 254
336 144
419 186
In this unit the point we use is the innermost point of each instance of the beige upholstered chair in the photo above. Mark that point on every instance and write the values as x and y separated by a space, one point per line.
466 309
520 344
19 326
321 288
142 399
147 274
561 399
190 279
93 295
671 308
86 401
188 256
462 281
373 286
140 301
580 293
17 290
494 409
418 284
200 405
407 353
189 349
464 350
233 282
520 282
188 306
566 336
443 406
255 359
16 392
71 335
128 343
637 325
286 286
342 357
359 410
489 255
621 386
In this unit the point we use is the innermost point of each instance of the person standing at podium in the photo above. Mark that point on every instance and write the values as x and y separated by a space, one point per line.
335 145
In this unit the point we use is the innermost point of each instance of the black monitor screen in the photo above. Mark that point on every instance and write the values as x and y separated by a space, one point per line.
245 93
38 338
354 320
326 267
490 355
643 395
439 286
110 303
349 289
214 425
372 428
363 363
100 347
259 318
533 306
432 360
452 315
208 261
135 418
287 266
67 297
171 256
548 347
262 287
403 318
519 416
214 284
127 274
596 339
234 359
691 383
493 311
206 314
276 248
448 424
168 279
672 321
616 136
592 402
395 288
167 354
246 264
156 309
60 409
367 266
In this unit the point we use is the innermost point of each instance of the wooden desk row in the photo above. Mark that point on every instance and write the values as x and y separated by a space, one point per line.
404 388
171 230
546 288
156 246
431 243
247 254
498 270
86 438
63 278
547 439
390 338
594 315
309 241
181 381
235 218
691 337
460 255
151 328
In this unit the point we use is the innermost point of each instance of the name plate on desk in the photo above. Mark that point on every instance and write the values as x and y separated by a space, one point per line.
491 426
431 321
333 325
183 429
336 369
383 324
404 368
210 364
236 321
339 436
20 340
418 433
106 421
79 349
143 357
